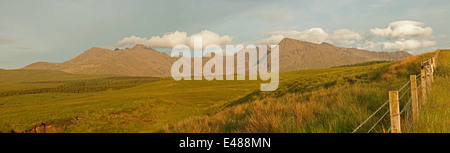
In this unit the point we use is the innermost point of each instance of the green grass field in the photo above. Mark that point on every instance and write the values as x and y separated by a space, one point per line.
320 100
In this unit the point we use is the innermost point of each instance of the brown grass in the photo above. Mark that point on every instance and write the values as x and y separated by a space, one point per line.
339 108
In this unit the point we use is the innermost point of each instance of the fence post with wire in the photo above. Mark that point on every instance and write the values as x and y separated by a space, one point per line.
406 119
414 100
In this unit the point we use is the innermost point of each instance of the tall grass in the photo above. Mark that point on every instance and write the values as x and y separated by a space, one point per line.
335 106
435 116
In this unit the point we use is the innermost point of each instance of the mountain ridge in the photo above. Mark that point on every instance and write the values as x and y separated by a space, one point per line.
301 55
145 61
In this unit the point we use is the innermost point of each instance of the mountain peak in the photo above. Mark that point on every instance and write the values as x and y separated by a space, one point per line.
285 40
294 41
140 46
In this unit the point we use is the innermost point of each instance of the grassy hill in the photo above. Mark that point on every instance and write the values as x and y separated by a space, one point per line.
319 100
435 117
339 108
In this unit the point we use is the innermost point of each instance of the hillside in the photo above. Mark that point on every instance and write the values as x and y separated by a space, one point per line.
137 61
146 107
338 105
143 61
435 118
300 55
318 100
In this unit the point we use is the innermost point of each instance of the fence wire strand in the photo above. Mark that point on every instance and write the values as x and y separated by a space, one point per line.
404 93
378 121
373 114
406 106
404 86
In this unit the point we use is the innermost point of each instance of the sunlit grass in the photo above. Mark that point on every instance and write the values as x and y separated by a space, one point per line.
319 100
335 106
435 117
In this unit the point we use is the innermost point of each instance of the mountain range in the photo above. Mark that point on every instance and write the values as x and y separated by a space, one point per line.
144 61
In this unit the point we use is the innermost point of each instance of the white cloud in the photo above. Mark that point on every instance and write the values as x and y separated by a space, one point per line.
132 40
315 35
407 44
273 39
344 37
369 45
172 39
403 44
402 35
399 35
403 29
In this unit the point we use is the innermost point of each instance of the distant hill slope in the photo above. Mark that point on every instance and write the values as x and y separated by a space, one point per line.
143 61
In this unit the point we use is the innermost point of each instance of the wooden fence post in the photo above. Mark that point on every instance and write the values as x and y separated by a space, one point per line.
429 77
414 100
432 61
395 112
423 78
432 73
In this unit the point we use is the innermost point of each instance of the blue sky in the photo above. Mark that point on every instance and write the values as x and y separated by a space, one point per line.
56 31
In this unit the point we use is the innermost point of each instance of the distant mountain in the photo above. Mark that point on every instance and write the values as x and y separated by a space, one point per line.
137 61
144 61
300 55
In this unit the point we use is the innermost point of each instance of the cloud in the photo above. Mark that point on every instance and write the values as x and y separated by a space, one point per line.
344 37
172 39
315 35
402 35
273 39
403 29
369 45
409 44
399 35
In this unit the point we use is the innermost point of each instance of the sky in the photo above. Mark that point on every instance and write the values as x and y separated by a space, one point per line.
59 30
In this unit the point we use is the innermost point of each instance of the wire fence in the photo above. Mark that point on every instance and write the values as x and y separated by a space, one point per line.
405 92
406 113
